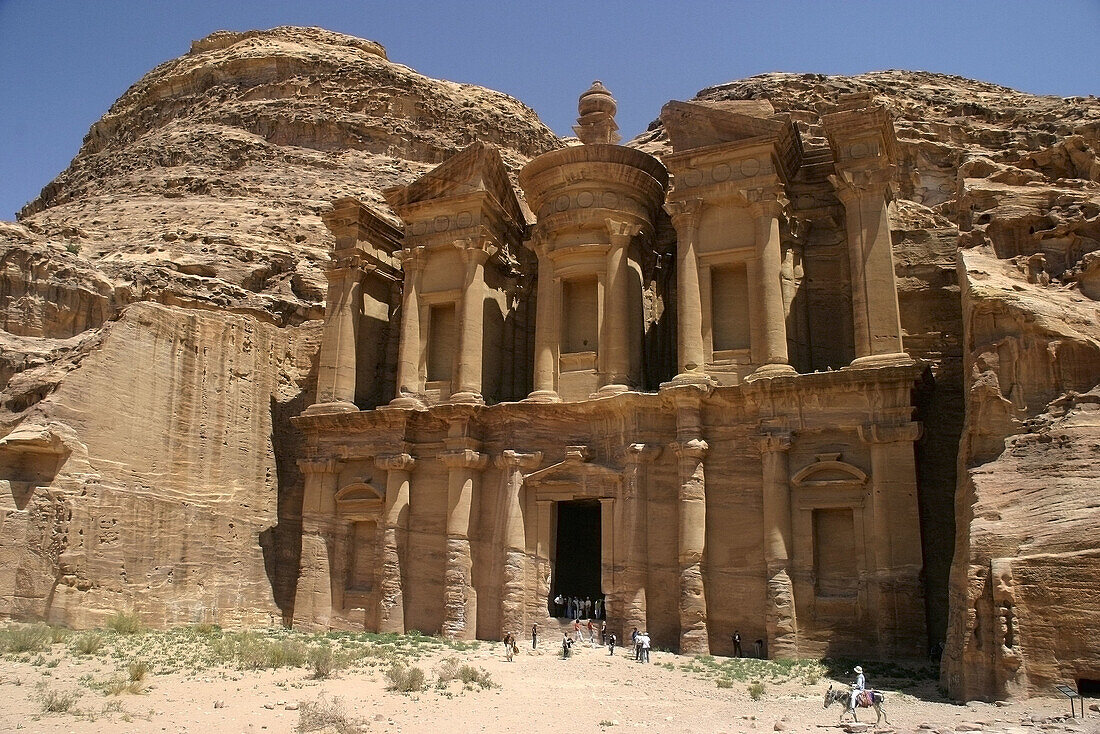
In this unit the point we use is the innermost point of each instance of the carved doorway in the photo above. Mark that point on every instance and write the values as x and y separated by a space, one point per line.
578 558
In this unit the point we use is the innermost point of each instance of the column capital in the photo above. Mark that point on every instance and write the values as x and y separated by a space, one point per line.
342 264
318 466
891 433
620 229
476 249
539 242
465 459
765 200
412 258
513 460
685 212
695 449
395 462
641 453
773 441
854 184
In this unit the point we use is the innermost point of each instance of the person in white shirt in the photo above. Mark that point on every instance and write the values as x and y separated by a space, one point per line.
858 687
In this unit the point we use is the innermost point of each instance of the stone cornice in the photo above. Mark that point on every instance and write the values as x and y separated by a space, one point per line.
694 449
891 433
395 462
516 460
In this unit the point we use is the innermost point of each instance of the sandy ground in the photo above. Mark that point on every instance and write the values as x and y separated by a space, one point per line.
538 692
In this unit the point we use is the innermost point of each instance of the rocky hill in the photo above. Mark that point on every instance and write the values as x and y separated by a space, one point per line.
160 301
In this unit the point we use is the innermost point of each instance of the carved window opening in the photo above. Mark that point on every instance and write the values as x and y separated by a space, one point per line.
834 552
363 562
730 307
580 313
442 342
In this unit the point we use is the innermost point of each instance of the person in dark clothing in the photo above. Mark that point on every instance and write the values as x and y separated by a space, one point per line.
737 643
534 636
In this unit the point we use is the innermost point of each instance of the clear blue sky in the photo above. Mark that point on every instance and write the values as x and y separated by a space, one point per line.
63 62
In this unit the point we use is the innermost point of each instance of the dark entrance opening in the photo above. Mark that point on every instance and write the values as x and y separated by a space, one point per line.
1088 687
577 567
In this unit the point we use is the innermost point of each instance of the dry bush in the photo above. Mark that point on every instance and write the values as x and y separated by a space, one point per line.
56 702
323 662
326 715
137 670
405 678
756 690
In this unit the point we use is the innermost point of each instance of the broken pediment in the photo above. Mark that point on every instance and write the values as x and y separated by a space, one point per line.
477 169
356 226
691 125
574 477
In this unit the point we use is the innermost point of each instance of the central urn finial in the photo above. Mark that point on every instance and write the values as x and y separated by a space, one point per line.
596 123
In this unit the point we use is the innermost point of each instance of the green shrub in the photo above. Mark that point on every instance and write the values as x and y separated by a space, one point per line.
756 690
405 678
725 682
72 247
58 634
125 623
88 643
25 638
323 662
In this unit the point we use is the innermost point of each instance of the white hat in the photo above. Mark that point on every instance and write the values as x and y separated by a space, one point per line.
858 669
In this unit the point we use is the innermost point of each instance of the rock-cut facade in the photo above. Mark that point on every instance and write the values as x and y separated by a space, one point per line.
676 385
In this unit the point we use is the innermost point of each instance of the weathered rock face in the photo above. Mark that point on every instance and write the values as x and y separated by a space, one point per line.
147 448
188 231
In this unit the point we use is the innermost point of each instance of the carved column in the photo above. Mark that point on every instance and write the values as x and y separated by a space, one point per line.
896 541
313 600
637 456
1009 674
514 583
615 337
692 359
336 370
780 618
464 465
875 313
766 207
547 329
394 533
690 450
409 386
475 252
542 551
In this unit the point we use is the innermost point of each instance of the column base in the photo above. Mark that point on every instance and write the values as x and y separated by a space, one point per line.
611 389
542 396
405 401
337 406
896 359
701 379
466 397
766 371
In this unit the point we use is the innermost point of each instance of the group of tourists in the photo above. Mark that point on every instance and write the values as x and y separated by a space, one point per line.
641 644
573 607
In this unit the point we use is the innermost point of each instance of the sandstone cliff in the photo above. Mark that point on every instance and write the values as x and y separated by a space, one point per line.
159 306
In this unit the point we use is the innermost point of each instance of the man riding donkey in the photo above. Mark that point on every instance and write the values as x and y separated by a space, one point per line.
859 697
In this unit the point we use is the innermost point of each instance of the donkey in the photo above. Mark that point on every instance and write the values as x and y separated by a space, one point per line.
845 696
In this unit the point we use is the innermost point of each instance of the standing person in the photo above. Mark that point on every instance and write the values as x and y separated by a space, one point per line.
588 607
597 608
558 610
577 630
634 643
603 633
759 648
534 636
591 632
576 608
611 644
737 643
858 687
645 647
566 646
509 646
